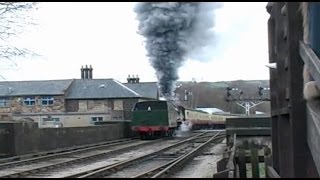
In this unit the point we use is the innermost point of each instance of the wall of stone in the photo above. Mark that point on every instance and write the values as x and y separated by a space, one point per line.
6 137
28 138
66 119
80 114
16 106
89 105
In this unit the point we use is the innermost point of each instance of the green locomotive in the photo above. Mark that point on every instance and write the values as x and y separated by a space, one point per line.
161 118
155 118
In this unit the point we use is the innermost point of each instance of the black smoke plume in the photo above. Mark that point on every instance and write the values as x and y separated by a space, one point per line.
175 31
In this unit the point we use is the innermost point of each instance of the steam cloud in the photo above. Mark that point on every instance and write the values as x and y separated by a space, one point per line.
175 31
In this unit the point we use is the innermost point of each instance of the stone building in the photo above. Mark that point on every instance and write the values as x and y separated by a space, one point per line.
73 102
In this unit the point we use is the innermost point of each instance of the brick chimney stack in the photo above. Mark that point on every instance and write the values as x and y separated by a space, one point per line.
86 73
133 79
90 72
82 72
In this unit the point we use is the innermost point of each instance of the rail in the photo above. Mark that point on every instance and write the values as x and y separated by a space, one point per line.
68 151
174 165
105 171
75 160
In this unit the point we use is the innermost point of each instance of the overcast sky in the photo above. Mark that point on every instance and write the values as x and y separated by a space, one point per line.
104 35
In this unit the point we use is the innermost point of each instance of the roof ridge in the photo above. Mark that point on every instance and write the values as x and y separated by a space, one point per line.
96 79
37 80
121 84
139 82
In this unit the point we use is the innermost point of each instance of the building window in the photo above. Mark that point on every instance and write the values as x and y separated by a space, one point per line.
50 120
4 102
29 101
96 119
47 100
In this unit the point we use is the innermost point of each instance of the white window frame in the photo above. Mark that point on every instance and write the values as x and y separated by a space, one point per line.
48 99
4 102
50 120
29 99
96 119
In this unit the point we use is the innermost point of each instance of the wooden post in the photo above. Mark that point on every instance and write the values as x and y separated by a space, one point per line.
255 162
242 163
282 111
267 160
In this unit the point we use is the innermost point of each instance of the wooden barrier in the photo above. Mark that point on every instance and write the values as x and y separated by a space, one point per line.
243 162
226 166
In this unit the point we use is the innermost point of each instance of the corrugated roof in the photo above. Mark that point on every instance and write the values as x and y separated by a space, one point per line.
145 89
22 88
211 110
99 88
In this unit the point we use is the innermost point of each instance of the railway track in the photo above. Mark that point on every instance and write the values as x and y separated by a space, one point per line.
43 154
66 152
45 166
171 166
168 162
31 166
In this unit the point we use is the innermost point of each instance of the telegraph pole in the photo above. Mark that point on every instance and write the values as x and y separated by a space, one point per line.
247 101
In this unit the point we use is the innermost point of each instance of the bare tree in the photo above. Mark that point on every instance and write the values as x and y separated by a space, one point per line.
14 16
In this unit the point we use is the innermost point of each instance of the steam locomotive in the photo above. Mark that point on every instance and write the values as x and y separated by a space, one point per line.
161 118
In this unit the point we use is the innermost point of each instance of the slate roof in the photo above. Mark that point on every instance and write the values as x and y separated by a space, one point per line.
80 88
22 88
99 89
145 89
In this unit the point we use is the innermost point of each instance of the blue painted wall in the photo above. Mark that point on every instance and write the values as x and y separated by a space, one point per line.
315 27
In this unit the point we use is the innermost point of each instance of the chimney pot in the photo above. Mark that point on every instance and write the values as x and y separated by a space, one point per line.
82 72
90 72
86 73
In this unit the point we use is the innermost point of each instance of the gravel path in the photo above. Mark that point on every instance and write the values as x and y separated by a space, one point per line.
203 166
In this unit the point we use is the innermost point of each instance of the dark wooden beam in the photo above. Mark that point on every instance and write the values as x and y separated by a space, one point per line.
298 118
273 86
249 131
283 127
311 60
